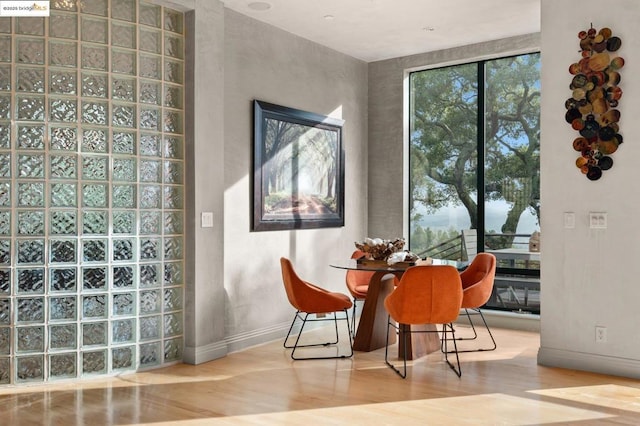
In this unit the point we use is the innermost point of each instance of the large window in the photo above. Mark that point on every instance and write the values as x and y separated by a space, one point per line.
475 165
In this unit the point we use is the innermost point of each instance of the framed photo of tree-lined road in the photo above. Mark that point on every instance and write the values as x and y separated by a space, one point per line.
298 169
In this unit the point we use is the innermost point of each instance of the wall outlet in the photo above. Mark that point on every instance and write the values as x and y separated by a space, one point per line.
601 334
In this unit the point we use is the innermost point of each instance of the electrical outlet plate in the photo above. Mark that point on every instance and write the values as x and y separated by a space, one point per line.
597 220
601 334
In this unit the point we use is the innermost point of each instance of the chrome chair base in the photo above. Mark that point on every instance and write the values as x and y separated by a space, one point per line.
305 319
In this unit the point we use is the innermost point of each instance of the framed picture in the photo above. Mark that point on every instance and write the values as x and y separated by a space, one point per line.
298 169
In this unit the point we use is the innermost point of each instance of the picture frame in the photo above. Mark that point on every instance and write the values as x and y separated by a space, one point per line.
298 169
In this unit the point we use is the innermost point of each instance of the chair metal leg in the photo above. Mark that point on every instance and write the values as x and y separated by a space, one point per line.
404 351
475 333
455 348
306 319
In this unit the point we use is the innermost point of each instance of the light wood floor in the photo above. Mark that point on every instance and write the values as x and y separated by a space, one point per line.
263 386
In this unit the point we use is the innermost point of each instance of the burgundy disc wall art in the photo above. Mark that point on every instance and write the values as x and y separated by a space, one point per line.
592 108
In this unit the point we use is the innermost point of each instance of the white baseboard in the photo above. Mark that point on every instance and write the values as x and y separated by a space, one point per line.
594 363
505 319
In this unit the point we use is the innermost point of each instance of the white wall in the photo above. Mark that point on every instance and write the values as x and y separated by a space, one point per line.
588 275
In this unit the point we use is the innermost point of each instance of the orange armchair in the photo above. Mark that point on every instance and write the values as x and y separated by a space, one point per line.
358 285
426 295
477 285
309 299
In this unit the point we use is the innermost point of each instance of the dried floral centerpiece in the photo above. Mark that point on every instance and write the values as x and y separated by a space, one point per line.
382 251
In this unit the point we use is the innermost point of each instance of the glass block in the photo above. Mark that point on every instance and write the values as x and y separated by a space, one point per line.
150 302
31 222
5 340
62 279
150 223
173 97
149 275
123 116
174 46
123 35
66 5
150 92
30 108
5 131
5 311
124 196
173 223
150 171
150 354
173 273
95 112
149 119
174 72
5 222
150 15
63 54
124 169
173 197
173 172
30 251
30 50
63 222
30 137
95 168
173 21
123 304
123 89
150 197
94 306
63 336
95 7
124 222
150 145
30 280
150 66
123 62
173 324
123 277
31 166
94 222
63 110
30 26
5 194
149 249
124 143
63 25
122 250
172 299
94 333
5 48
173 350
64 138
94 140
30 310
94 362
31 194
63 166
63 251
94 278
122 331
63 82
94 195
95 58
30 339
94 251
30 368
150 40
150 327
173 248
63 308
62 365
5 78
124 10
5 252
30 80
5 107
94 85
64 195
95 30
5 165
122 358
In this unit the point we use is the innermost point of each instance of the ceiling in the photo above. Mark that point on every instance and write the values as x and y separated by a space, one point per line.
373 30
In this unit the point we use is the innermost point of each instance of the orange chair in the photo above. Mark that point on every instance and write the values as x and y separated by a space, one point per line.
477 286
358 285
426 295
309 299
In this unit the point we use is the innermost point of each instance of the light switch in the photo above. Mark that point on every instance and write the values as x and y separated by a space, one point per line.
207 220
569 220
597 220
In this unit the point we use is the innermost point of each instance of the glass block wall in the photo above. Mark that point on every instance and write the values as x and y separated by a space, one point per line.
91 190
